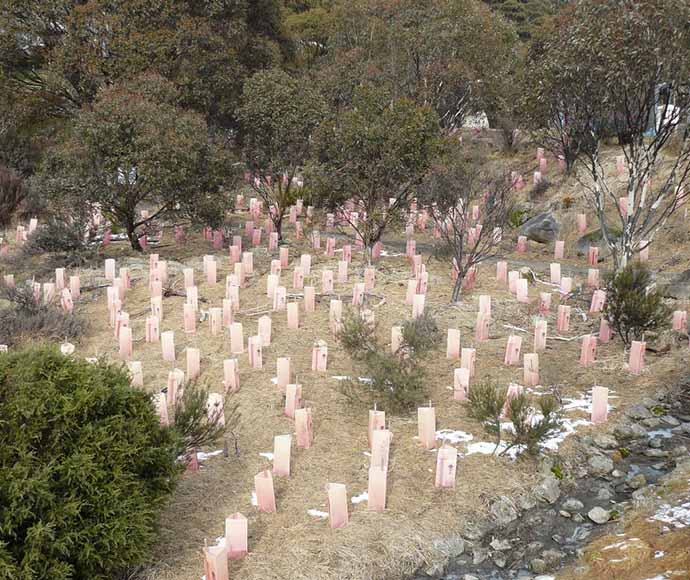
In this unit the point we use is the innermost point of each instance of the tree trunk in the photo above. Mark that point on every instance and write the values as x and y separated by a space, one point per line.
278 224
132 236
457 288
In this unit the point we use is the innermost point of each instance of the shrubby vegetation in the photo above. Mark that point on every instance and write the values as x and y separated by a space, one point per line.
23 318
532 422
394 381
85 466
633 306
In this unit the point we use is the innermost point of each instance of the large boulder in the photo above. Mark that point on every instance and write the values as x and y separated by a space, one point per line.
678 286
542 228
595 238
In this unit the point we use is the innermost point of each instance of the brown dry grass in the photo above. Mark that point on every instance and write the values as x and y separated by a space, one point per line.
292 544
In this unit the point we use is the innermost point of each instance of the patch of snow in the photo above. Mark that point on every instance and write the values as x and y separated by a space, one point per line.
364 496
659 554
267 454
255 500
340 378
274 380
201 456
568 427
453 437
317 514
488 448
366 453
386 254
678 516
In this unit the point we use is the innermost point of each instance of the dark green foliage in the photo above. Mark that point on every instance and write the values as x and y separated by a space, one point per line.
192 424
632 307
541 188
85 468
377 150
525 14
278 116
532 423
394 381
131 149
420 335
58 236
22 318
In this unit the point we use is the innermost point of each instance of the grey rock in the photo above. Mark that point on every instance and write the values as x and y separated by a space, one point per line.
605 441
543 228
594 238
678 286
499 559
578 518
649 402
564 514
670 420
599 515
548 490
500 545
679 451
617 473
652 423
638 481
479 555
629 431
503 511
572 505
451 547
525 575
655 452
604 494
552 557
599 465
470 577
655 443
534 547
526 501
638 412
685 428
538 566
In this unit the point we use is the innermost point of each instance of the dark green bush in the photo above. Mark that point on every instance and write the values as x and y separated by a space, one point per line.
192 424
541 187
532 423
85 468
394 381
22 318
69 243
632 307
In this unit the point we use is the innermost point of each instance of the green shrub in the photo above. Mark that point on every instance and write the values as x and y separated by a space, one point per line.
22 318
532 423
192 425
541 187
85 468
394 381
517 217
632 307
69 240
